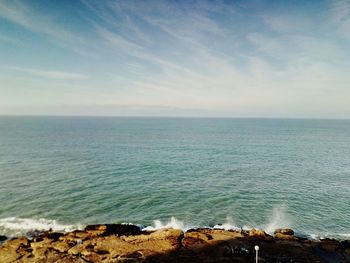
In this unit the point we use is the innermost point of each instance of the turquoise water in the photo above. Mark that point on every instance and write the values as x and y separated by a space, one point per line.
242 172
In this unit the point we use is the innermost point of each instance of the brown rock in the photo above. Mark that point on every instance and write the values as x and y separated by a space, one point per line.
114 229
77 249
27 258
194 243
47 235
8 254
95 230
62 246
285 237
257 233
101 243
222 235
92 257
198 240
13 249
99 227
17 242
212 236
330 245
159 241
284 231
39 249
52 255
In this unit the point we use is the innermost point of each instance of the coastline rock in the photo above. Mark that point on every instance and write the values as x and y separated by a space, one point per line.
127 243
285 237
201 241
284 231
329 245
209 236
3 238
13 249
346 246
257 233
114 229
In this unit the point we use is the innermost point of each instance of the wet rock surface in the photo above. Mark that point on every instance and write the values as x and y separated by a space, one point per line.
127 243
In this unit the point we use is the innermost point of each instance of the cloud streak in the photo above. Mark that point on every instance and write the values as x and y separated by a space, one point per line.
23 15
50 74
238 59
8 40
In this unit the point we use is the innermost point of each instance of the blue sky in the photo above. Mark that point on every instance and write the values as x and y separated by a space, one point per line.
175 58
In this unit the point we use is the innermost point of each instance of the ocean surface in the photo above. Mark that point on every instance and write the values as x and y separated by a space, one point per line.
65 172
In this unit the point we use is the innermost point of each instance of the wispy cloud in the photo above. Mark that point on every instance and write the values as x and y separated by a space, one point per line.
207 74
216 55
22 14
49 74
8 40
340 10
340 15
288 24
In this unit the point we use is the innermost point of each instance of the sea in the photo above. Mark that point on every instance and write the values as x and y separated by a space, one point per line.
62 173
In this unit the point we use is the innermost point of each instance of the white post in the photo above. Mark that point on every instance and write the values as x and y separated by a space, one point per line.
256 253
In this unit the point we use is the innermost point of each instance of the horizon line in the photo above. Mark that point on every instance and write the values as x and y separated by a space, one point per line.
174 117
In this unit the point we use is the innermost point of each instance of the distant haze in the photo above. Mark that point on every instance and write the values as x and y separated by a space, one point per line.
175 58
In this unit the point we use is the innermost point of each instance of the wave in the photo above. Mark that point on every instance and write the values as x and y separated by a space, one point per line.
173 223
227 225
178 224
279 218
13 226
340 236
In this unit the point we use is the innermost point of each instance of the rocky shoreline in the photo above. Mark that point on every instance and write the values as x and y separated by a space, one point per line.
128 243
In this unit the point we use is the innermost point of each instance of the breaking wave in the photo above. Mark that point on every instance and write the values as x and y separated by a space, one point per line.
227 225
172 223
279 218
13 226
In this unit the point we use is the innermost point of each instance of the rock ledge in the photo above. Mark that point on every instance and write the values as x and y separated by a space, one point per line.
127 243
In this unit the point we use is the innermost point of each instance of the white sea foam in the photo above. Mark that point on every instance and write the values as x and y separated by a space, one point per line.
13 226
279 219
314 236
339 236
227 225
246 228
173 223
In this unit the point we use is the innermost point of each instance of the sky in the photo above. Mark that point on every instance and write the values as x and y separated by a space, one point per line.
288 59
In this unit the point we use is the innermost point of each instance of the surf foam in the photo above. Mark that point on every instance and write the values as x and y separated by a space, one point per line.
13 226
279 218
173 223
227 225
